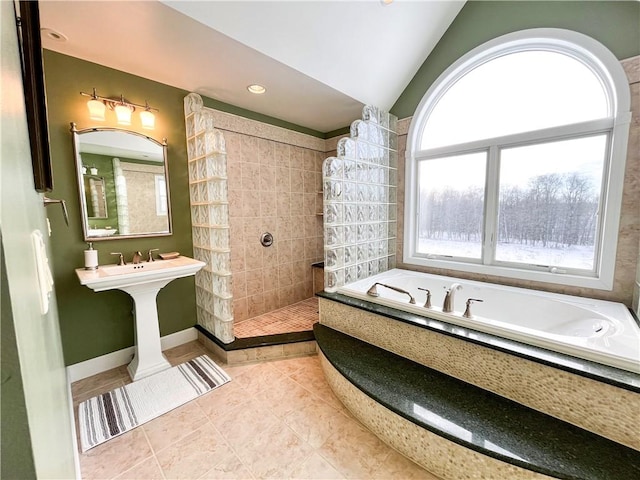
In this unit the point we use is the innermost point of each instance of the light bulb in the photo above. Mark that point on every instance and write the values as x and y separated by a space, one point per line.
96 109
123 113
148 119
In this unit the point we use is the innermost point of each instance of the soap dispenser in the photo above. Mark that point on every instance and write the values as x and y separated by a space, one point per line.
90 258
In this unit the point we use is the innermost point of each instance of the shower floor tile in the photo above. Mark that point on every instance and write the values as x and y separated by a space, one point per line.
276 419
298 317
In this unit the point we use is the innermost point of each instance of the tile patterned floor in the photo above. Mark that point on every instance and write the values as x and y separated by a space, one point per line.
298 317
276 419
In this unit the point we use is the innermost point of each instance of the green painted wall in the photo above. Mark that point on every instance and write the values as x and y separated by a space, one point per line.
225 107
15 443
93 324
615 24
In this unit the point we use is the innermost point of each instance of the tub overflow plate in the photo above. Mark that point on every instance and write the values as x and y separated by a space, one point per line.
266 239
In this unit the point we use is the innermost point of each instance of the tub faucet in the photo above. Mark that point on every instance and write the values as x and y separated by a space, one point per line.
467 311
137 257
373 291
427 303
448 298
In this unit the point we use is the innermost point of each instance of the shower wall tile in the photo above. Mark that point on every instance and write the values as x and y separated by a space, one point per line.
272 188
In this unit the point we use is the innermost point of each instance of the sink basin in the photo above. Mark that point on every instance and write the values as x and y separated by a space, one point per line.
110 277
142 281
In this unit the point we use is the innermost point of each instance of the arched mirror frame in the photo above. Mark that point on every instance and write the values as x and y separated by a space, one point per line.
75 133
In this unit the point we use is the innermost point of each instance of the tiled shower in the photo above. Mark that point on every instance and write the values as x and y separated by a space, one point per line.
247 179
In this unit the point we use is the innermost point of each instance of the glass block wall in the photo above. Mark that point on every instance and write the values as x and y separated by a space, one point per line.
122 203
209 218
360 205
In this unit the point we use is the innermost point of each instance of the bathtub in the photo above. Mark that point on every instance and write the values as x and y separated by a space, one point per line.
595 330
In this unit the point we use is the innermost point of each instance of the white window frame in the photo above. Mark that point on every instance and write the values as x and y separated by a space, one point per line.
608 69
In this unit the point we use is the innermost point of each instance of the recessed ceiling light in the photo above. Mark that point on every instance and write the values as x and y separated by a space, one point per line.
257 89
53 35
386 2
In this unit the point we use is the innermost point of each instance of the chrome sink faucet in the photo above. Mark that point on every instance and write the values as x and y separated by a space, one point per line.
150 254
120 258
448 298
137 258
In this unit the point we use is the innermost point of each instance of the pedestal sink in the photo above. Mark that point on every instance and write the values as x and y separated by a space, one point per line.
142 281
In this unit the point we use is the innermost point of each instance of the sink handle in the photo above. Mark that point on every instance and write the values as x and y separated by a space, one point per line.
150 255
121 260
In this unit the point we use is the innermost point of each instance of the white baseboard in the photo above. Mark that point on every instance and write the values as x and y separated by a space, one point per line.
85 369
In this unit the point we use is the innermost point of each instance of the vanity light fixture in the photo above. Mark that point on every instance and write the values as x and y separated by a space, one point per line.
257 89
147 118
122 108
96 107
123 111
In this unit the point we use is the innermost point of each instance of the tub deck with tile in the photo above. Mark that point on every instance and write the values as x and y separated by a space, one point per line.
475 418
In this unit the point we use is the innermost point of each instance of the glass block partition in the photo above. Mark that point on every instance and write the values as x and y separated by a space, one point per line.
122 202
209 218
360 201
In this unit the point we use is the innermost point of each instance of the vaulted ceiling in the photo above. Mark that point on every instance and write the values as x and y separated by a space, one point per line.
320 61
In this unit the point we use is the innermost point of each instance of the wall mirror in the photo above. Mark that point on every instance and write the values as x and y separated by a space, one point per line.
122 182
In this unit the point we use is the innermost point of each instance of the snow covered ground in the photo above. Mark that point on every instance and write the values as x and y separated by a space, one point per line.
575 256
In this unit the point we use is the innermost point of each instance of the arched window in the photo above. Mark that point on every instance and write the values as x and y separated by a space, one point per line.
515 161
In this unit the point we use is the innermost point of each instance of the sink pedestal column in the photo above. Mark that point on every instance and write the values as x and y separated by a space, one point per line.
142 282
148 358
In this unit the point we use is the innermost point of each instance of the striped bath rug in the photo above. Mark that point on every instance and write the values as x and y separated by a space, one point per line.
113 413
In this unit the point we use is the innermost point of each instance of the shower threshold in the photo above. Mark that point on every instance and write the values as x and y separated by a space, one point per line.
286 332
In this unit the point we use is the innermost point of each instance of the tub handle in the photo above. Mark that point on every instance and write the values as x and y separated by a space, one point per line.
427 303
467 311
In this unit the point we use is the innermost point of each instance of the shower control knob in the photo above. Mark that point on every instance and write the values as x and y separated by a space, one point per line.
266 239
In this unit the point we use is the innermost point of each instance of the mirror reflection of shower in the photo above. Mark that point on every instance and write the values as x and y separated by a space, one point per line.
95 197
142 208
122 200
123 183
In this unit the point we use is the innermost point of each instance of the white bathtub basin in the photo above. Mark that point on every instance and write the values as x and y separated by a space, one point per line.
596 330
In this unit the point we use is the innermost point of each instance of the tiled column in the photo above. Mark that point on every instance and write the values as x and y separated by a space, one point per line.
360 201
210 219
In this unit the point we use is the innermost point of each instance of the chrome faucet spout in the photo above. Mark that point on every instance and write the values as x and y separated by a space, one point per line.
447 307
373 291
137 257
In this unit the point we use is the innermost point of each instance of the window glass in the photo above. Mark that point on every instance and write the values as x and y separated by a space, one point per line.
514 93
451 205
516 160
549 202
